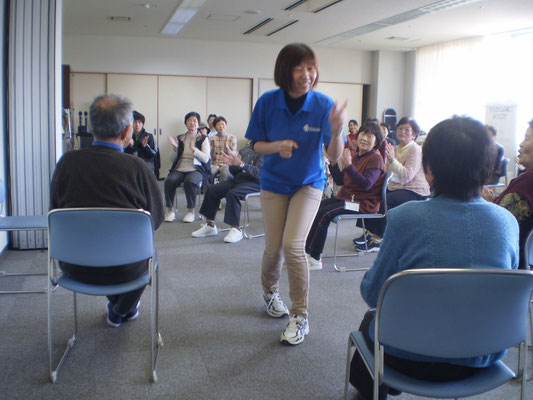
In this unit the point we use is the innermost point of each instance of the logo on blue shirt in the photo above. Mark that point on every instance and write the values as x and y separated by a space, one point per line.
308 128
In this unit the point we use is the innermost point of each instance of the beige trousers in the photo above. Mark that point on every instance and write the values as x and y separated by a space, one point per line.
288 219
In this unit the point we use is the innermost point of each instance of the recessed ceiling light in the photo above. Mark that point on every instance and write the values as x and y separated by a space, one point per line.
120 19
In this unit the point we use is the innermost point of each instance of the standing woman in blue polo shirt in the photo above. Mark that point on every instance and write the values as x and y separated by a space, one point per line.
290 126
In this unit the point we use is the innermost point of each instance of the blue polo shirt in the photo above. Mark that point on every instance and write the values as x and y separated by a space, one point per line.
309 128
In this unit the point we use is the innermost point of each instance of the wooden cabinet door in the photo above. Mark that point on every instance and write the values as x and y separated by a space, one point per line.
141 90
84 87
340 92
177 96
231 98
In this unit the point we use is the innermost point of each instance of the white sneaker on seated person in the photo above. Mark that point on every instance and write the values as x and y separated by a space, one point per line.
170 216
313 264
189 217
205 231
234 235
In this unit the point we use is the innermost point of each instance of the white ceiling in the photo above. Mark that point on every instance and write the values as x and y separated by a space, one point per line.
227 20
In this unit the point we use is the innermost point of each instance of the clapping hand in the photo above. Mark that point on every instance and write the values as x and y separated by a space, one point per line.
346 157
230 158
389 151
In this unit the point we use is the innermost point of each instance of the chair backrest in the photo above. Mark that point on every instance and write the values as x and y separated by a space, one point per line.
454 313
503 169
528 251
99 237
388 175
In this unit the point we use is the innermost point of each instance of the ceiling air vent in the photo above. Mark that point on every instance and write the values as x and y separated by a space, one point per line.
322 8
259 25
294 5
119 19
282 27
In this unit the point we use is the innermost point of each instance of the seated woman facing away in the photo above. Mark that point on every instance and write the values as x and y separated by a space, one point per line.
454 229
361 178
407 183
191 157
518 197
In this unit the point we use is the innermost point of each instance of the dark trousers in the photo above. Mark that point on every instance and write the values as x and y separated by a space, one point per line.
316 239
191 182
122 303
234 192
361 379
394 199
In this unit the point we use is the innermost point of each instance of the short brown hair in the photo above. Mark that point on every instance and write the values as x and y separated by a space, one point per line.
289 57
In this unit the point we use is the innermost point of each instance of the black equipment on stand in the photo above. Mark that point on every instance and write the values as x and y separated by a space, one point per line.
86 138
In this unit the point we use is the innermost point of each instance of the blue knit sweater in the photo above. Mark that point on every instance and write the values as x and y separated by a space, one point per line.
443 232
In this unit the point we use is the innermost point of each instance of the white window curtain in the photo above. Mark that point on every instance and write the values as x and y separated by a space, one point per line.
449 80
463 76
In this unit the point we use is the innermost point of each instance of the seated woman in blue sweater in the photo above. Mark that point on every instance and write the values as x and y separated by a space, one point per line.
455 229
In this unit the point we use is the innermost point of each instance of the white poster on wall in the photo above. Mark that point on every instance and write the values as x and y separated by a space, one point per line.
502 116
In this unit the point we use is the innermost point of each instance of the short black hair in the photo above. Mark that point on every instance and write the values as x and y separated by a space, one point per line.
211 115
218 119
411 122
137 116
373 128
192 114
289 57
458 153
354 121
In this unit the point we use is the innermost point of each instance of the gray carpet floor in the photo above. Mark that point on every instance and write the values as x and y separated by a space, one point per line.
219 343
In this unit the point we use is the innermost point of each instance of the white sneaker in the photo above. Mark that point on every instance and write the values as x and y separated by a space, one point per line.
189 217
234 235
313 264
274 306
170 216
205 231
297 329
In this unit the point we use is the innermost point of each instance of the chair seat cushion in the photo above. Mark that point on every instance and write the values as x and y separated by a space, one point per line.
482 381
102 290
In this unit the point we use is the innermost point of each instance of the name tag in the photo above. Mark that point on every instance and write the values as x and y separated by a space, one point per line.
351 205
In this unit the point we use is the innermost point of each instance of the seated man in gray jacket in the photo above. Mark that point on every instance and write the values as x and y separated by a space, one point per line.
244 168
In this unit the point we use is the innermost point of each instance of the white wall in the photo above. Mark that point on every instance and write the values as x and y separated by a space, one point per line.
409 84
90 53
390 82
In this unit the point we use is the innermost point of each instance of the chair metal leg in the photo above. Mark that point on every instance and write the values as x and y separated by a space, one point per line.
156 338
15 274
246 226
348 364
522 368
70 343
357 254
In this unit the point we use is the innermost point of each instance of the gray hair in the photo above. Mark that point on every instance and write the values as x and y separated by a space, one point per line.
110 114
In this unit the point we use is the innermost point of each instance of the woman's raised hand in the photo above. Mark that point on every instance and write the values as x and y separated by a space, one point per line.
337 118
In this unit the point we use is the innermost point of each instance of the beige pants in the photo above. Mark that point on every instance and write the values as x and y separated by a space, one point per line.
288 219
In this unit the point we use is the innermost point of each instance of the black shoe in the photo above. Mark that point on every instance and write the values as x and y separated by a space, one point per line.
361 239
372 246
